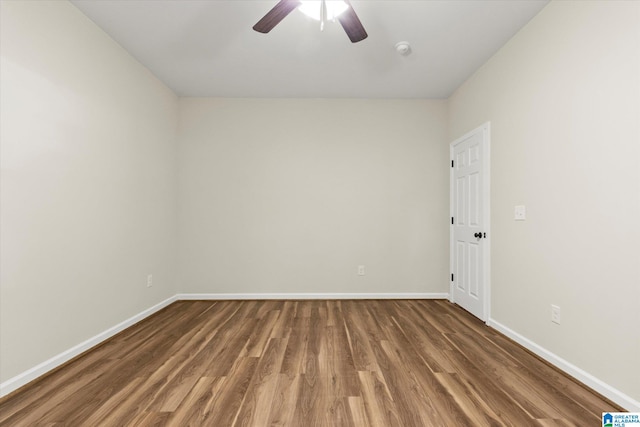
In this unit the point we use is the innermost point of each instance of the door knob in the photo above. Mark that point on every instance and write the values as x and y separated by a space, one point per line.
477 235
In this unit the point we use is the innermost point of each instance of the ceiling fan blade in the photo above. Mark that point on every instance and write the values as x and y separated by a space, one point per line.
275 15
352 25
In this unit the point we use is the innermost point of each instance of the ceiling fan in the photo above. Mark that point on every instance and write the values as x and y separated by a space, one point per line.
348 18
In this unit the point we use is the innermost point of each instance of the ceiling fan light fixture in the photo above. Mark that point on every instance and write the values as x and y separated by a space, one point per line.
313 8
322 10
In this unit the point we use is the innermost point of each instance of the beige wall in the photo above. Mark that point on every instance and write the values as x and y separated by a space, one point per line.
292 195
563 99
87 187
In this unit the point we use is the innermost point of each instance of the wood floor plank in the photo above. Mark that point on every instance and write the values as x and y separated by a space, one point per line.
422 337
341 374
232 393
507 379
557 386
306 363
222 352
511 411
408 392
151 419
296 346
259 336
108 413
312 392
476 411
33 405
358 411
257 402
142 361
199 403
379 406
285 319
553 422
188 362
339 413
361 352
284 401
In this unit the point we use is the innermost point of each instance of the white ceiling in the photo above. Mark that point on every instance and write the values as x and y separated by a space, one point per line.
208 47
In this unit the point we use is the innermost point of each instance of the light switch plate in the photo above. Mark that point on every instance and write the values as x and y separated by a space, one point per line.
519 213
556 316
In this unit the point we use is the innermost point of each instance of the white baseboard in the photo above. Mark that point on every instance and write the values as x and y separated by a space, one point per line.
22 379
584 377
308 296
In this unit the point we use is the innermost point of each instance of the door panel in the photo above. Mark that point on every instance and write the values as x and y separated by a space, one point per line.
461 216
469 246
474 203
460 276
474 269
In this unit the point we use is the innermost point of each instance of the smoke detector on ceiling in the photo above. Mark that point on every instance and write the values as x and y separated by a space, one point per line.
403 48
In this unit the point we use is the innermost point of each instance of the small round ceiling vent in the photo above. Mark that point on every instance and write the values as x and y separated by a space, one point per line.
403 48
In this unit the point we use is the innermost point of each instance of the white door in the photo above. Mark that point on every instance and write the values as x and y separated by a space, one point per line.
470 235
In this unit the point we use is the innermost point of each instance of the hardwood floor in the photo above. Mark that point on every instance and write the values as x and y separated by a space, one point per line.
306 363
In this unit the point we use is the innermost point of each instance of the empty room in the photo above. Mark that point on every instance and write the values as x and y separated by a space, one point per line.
319 213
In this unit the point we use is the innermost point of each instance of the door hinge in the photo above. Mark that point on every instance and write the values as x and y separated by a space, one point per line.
452 277
451 220
451 163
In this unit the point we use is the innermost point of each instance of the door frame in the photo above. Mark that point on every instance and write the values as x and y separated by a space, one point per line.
485 130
